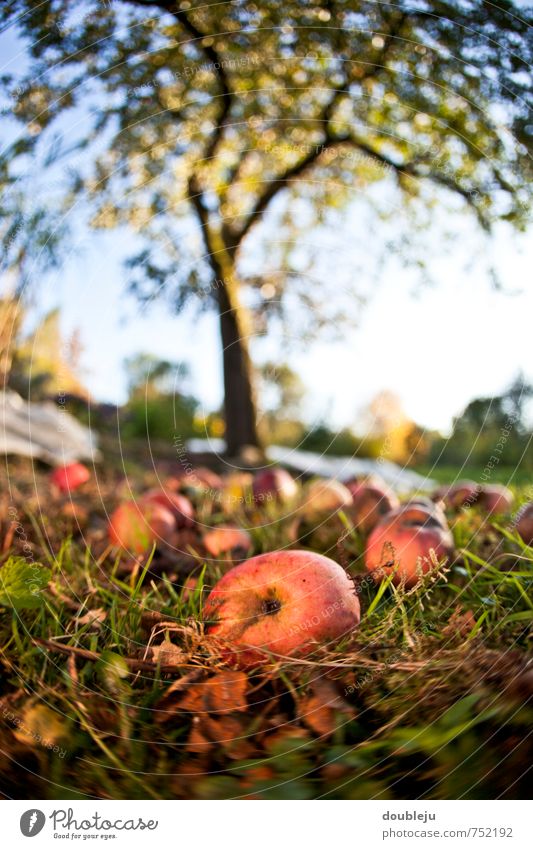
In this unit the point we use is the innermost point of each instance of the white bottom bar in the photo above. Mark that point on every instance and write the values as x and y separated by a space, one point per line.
269 824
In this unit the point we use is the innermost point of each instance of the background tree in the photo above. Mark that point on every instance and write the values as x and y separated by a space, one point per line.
281 393
497 427
217 110
159 405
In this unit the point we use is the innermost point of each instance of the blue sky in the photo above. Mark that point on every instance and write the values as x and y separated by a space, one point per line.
435 349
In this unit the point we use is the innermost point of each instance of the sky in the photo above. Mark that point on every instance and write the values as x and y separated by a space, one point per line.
436 349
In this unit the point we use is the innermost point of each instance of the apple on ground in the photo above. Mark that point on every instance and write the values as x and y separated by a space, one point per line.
323 497
371 501
70 476
419 509
402 543
357 485
524 524
135 527
227 539
461 493
206 478
180 506
200 479
281 603
495 499
275 483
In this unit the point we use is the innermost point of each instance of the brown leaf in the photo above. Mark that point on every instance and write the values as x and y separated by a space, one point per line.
93 618
198 741
38 725
460 623
226 733
222 693
168 653
320 709
283 735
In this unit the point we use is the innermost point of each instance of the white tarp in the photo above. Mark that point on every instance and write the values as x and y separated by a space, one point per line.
43 431
342 468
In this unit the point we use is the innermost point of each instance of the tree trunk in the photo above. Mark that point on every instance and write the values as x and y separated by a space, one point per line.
239 399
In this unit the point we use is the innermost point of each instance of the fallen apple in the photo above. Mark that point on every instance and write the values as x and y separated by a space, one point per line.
283 603
70 476
225 539
371 502
135 527
461 494
402 543
180 506
419 509
524 523
323 497
495 499
200 479
357 485
274 483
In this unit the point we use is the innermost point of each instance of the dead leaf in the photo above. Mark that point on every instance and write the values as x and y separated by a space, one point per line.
167 654
226 733
38 725
198 742
460 623
222 693
93 618
320 709
288 735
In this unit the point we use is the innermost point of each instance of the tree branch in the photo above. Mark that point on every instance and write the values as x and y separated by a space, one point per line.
276 185
194 189
226 95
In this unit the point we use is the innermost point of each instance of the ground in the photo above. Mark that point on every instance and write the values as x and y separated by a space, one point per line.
110 689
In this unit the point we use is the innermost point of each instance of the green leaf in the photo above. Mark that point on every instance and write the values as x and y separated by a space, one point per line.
22 583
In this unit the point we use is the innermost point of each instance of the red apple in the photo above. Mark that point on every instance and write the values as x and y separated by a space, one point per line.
420 510
283 602
200 479
495 499
274 483
227 538
135 527
357 485
370 503
461 494
70 477
441 492
524 524
323 497
180 506
402 543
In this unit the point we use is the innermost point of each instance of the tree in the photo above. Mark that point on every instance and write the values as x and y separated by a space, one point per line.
493 430
148 375
158 406
281 392
41 365
217 110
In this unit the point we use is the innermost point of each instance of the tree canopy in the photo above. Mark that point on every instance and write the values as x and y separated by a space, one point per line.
189 120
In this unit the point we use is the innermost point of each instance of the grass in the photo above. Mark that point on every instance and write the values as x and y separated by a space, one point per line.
110 689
